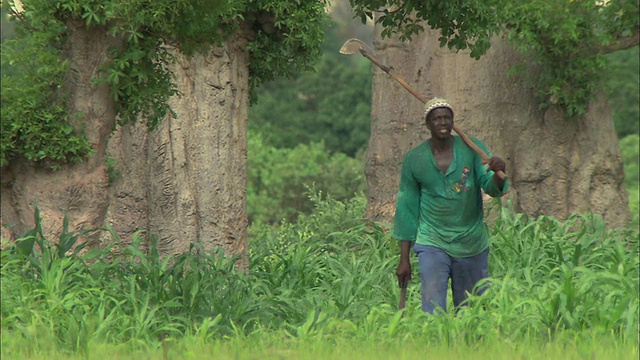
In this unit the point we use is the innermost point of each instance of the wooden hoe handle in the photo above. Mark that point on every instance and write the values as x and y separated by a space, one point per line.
403 296
479 151
404 84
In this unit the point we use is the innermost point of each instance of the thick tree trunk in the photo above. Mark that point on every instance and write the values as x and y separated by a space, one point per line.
186 181
81 190
556 165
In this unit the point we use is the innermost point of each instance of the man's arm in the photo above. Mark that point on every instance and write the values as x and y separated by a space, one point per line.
492 184
405 221
405 224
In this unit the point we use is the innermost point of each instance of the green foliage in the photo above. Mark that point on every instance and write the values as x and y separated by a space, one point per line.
35 118
113 172
284 38
280 180
623 88
292 45
634 204
462 24
7 30
563 40
329 277
565 268
566 41
331 104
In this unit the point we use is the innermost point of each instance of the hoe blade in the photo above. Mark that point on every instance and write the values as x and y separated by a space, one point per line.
353 46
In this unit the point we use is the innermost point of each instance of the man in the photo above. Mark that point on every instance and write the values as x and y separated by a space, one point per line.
439 211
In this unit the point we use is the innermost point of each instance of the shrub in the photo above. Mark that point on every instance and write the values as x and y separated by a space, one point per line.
281 180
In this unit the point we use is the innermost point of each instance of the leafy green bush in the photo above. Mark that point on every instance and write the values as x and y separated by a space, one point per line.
570 275
281 180
35 119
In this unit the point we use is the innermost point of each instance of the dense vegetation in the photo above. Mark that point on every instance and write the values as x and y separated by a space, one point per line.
331 104
281 180
623 90
321 283
322 287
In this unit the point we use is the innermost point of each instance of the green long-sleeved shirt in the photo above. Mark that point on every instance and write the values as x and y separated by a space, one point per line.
445 209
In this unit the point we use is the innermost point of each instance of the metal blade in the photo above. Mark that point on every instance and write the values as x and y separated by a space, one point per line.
353 46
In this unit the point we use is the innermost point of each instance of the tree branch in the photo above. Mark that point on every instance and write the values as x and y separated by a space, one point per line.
623 43
16 9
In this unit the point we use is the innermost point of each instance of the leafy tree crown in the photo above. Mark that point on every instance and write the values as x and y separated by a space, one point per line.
284 37
564 39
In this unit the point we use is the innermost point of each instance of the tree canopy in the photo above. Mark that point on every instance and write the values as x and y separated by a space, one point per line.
283 37
565 39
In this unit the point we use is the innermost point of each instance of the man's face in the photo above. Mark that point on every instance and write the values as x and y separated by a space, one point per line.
440 123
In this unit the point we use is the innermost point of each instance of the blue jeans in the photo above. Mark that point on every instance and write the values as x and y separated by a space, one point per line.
437 267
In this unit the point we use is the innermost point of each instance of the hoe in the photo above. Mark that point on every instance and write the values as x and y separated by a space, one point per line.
353 46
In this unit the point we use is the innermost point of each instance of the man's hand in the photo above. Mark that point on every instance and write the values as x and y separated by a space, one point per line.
496 164
403 273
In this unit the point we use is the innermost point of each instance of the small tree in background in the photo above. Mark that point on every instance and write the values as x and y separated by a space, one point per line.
282 181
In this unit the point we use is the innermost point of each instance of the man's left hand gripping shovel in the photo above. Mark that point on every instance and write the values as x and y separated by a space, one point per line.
353 46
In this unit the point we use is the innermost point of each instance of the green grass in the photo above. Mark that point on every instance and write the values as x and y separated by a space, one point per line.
269 346
322 288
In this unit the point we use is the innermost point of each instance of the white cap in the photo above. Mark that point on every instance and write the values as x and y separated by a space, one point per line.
434 104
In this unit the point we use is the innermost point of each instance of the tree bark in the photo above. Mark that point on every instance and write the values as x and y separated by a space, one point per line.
80 190
186 181
556 165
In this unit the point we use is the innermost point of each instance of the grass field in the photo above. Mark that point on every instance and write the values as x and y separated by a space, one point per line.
596 347
322 288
